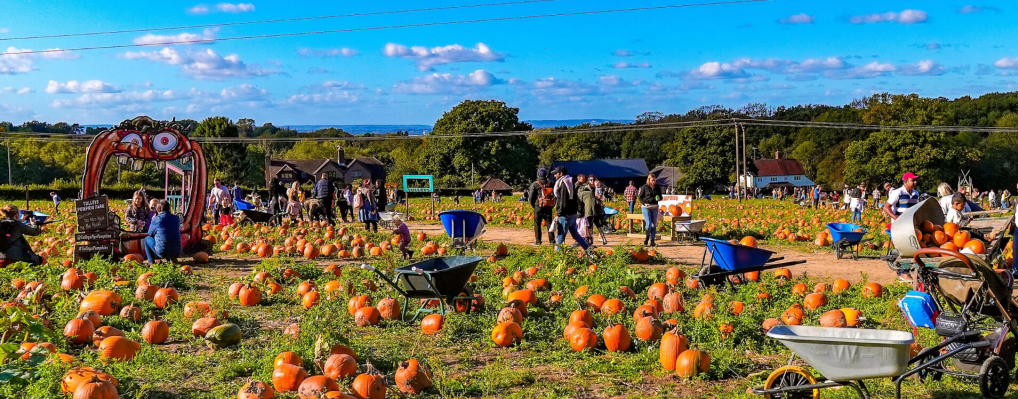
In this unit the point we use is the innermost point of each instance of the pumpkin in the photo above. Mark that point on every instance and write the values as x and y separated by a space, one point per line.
839 286
165 297
792 316
853 317
357 302
502 250
223 336
582 315
506 334
432 324
119 348
833 318
735 308
103 302
769 324
389 309
155 332
197 308
234 290
249 295
256 390
412 377
288 358
340 366
657 291
201 257
365 316
703 311
595 301
616 338
872 290
783 273
315 387
524 295
104 332
74 377
673 302
79 331
674 275
96 388
814 300
582 338
692 283
673 344
613 306
369 386
799 289
749 241
287 377
692 362
648 328
202 326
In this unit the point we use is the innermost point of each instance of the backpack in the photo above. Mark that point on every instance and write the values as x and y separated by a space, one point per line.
358 200
7 228
547 196
919 309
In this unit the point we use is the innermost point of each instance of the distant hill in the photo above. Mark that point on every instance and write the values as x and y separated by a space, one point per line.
550 123
422 129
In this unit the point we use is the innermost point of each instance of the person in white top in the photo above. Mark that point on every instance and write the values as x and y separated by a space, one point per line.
956 214
216 196
902 198
856 204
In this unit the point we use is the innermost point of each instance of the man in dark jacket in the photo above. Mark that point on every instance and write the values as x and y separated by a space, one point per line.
542 209
324 192
163 241
566 207
381 196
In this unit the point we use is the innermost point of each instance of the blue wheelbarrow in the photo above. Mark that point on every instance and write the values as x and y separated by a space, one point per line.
733 260
36 216
443 280
845 239
463 227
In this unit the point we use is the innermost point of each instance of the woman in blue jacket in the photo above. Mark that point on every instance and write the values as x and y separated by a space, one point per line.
163 241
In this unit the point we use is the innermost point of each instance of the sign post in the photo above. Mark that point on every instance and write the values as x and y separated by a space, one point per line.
429 189
94 236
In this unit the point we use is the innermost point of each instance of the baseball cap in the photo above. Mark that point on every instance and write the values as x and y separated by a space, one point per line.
560 169
909 175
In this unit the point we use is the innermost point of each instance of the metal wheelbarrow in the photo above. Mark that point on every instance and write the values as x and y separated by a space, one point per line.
727 259
846 239
463 227
438 279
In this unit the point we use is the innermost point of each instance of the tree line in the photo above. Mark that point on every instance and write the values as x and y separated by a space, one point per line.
704 154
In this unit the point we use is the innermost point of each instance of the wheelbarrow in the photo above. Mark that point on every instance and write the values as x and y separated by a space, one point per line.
463 227
727 259
443 280
846 239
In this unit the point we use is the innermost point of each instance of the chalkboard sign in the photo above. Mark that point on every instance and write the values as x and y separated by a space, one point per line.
83 252
93 213
95 236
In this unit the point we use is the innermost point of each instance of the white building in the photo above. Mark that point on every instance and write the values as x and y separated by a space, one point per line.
780 172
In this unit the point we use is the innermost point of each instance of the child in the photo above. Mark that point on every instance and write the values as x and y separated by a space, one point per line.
226 211
957 212
856 204
293 208
404 237
56 202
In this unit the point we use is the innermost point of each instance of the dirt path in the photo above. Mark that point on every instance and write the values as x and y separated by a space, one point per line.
817 263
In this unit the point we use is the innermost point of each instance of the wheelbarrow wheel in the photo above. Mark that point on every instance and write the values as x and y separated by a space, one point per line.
791 377
994 377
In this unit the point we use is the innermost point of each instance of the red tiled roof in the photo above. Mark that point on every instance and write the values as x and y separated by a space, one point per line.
778 167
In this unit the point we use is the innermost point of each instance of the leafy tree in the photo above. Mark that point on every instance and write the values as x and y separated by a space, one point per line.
705 155
886 155
311 150
225 161
771 145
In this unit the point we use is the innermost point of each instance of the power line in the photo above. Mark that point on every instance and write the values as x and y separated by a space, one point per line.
268 21
417 25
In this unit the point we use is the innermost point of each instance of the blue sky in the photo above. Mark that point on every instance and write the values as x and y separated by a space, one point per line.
781 52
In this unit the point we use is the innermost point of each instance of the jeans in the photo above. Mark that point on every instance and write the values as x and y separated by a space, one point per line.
650 216
856 214
330 212
151 254
631 205
542 214
568 223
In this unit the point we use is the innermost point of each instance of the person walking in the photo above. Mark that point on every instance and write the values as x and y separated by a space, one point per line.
275 192
856 204
369 206
649 196
163 241
216 196
876 196
345 201
902 198
630 196
585 206
381 196
56 202
816 196
566 208
238 193
542 200
324 193
403 232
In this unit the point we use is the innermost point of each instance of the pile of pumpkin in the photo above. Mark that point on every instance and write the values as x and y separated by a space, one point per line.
816 298
949 237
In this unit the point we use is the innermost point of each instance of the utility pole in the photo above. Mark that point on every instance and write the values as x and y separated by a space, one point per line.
9 181
745 166
472 182
738 187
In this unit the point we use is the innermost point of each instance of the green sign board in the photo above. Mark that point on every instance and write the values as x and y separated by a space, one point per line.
417 178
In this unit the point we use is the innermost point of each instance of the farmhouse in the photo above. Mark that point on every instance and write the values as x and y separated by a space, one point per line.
339 169
614 173
780 172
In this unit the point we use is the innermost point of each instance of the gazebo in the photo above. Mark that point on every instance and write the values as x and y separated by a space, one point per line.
495 184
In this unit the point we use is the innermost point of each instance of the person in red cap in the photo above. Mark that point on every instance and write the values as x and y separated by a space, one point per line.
902 198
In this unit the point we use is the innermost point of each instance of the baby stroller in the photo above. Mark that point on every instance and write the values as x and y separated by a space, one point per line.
975 319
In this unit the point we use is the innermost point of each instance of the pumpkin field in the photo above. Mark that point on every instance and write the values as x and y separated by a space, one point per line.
288 312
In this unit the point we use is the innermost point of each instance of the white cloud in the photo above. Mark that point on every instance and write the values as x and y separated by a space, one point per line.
16 63
906 17
797 19
235 8
151 39
615 81
198 9
628 53
131 99
337 97
924 67
620 65
717 70
73 86
15 113
572 90
426 58
204 64
23 90
932 46
326 53
5 30
318 71
341 85
244 92
441 83
871 70
58 54
1006 63
969 9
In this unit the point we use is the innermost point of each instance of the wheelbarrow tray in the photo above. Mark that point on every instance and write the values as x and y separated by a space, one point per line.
257 216
847 354
844 231
691 227
459 223
735 257
242 205
449 275
39 217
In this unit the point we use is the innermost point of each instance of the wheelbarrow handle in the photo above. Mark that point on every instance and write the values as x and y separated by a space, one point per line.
418 271
367 267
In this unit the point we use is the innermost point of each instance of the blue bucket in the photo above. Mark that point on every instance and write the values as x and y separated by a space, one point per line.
734 257
462 223
844 231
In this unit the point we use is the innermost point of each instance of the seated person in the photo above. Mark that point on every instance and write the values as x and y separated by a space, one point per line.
163 241
225 209
13 245
294 209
